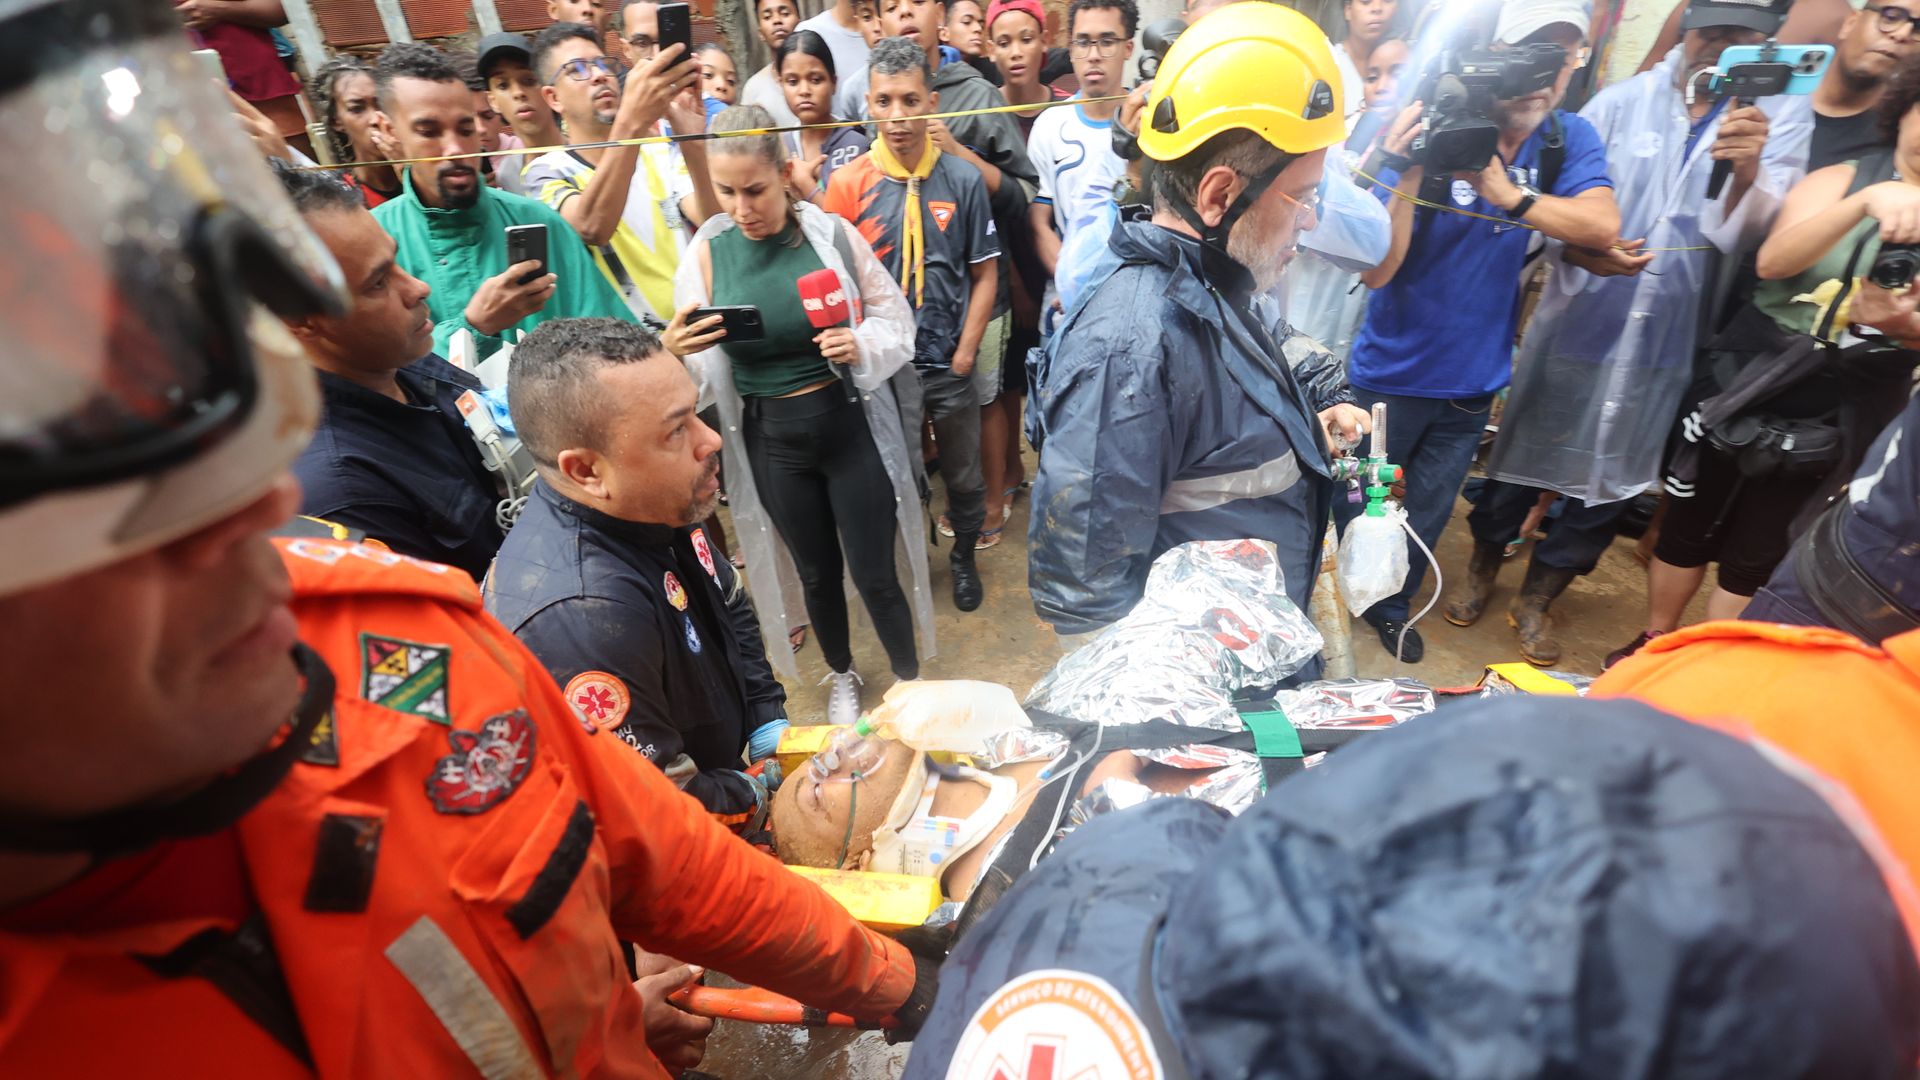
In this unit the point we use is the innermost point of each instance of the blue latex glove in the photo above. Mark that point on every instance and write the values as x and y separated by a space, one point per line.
496 400
765 739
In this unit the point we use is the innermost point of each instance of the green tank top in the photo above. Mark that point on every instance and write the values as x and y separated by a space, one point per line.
764 273
1776 298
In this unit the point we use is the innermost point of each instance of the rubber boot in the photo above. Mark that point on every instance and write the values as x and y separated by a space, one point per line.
1482 568
1529 617
967 591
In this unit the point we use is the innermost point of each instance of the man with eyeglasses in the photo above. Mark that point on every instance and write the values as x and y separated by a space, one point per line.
1437 343
1072 146
1164 409
1875 40
631 204
1609 353
450 227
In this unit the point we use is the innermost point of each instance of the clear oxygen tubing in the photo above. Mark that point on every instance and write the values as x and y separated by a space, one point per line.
1438 582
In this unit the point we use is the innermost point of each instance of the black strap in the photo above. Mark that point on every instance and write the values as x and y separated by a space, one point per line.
1867 171
1841 589
1015 852
1553 152
1824 331
245 969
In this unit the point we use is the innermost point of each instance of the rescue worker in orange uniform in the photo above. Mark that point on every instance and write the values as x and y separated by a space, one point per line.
302 810
1836 708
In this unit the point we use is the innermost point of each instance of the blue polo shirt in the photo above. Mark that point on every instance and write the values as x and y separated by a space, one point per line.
1444 326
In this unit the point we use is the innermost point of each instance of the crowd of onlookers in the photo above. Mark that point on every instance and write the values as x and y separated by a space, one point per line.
1661 372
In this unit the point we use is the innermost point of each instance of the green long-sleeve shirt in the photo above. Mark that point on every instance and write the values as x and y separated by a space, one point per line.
454 251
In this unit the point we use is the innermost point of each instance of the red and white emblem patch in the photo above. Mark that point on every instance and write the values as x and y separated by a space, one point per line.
599 699
704 552
485 766
676 592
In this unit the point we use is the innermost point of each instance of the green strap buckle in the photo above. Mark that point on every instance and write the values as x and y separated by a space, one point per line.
1273 734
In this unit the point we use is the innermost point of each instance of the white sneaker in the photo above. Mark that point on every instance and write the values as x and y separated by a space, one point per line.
843 700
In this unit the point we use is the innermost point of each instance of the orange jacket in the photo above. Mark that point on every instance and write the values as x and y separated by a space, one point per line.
511 851
1843 709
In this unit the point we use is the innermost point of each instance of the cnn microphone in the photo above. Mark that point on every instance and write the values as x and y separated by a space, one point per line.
825 303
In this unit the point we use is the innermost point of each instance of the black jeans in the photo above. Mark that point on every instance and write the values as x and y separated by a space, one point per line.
1576 539
822 482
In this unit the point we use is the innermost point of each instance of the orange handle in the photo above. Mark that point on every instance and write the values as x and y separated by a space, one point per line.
756 1006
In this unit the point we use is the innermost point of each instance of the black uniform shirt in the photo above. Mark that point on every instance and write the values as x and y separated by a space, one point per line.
649 634
406 473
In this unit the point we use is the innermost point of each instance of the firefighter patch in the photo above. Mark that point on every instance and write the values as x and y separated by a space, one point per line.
599 699
323 746
676 592
485 766
704 552
405 676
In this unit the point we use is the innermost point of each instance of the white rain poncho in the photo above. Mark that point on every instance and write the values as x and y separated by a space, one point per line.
1607 359
884 326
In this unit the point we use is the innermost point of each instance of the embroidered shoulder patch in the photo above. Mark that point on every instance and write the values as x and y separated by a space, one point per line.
405 676
704 552
599 699
676 593
485 766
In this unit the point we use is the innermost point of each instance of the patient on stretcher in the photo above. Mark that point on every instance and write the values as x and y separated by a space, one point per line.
899 810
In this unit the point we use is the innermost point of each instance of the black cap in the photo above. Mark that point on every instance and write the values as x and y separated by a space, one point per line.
1762 15
495 47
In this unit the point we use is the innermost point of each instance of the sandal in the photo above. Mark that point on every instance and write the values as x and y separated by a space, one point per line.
945 527
989 538
797 637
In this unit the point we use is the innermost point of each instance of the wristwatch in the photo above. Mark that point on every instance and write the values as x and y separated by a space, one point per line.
1528 193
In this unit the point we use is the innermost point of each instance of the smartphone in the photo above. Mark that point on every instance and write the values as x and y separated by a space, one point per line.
1749 71
210 65
676 24
740 321
527 242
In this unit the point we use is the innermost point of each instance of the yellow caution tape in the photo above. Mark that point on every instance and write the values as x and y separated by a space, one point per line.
703 136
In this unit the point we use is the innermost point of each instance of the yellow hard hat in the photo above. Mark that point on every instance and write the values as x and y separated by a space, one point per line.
1253 66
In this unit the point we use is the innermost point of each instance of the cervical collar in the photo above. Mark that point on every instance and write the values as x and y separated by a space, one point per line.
914 841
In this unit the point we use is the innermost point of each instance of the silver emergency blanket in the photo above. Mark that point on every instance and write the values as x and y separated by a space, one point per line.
1215 620
1355 703
1496 685
1020 744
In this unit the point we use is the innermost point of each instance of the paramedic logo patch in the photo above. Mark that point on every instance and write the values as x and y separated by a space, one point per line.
676 592
942 213
1055 1025
704 552
485 766
599 698
405 676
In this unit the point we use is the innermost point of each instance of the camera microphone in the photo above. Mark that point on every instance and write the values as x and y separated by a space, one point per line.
825 301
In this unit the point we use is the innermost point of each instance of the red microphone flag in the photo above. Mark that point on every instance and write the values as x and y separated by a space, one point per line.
824 300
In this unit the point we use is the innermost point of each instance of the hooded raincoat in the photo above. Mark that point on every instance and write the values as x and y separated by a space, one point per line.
1166 410
1607 359
889 395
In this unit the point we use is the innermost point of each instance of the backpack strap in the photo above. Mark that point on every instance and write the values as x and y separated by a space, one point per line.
1553 152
